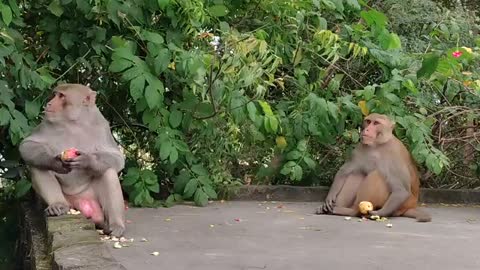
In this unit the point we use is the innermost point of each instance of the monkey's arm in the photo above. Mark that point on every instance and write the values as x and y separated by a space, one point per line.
41 156
338 182
104 160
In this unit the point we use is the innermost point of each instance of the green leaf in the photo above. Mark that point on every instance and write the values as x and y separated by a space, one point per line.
56 8
181 146
181 181
218 10
14 6
4 116
417 135
84 6
369 92
124 52
252 111
165 150
201 198
204 109
338 5
175 118
353 4
66 39
297 173
374 17
204 180
170 201
329 4
32 109
210 192
173 155
163 3
272 120
154 187
199 170
149 177
293 155
150 118
302 146
429 65
22 187
119 65
152 96
267 110
287 167
178 197
333 110
190 188
162 61
224 27
395 42
137 86
131 177
310 162
6 14
152 37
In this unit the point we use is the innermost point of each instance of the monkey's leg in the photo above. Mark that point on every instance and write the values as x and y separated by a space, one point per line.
346 197
49 189
109 193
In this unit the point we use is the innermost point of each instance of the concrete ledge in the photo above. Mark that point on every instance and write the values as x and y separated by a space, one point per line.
62 243
318 194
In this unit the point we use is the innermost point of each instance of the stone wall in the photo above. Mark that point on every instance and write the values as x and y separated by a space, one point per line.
61 243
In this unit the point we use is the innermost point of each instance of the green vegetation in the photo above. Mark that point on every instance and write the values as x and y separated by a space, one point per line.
206 95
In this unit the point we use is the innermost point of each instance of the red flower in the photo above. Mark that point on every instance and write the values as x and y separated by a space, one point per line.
457 54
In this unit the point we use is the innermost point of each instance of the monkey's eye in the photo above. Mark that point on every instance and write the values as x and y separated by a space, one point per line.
367 122
61 95
376 123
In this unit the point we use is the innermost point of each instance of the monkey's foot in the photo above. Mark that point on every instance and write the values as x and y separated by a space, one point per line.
115 230
57 209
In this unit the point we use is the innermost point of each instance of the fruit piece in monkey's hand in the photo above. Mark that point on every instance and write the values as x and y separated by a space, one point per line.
365 207
69 154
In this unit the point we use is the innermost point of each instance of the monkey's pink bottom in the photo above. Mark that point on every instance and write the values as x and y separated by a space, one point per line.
89 207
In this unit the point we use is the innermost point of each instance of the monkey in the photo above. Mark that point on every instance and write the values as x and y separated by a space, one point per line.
380 170
88 182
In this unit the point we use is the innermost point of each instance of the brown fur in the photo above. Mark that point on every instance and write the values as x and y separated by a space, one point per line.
381 171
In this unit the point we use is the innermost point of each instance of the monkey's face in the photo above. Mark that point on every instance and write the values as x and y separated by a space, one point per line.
369 132
376 130
56 105
67 104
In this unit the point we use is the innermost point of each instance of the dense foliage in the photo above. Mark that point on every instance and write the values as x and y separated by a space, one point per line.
206 95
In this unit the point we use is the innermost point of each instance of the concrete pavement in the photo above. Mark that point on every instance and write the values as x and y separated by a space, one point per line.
286 236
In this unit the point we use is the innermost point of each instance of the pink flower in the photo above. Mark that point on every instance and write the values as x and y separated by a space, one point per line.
457 54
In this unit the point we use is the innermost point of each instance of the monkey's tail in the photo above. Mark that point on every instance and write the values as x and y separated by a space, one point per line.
419 215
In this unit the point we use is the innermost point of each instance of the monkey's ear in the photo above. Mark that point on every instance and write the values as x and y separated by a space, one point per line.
90 98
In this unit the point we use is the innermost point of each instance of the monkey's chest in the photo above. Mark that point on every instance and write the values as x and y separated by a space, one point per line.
371 162
86 140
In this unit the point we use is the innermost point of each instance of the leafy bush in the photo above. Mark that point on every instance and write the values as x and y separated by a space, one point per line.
207 95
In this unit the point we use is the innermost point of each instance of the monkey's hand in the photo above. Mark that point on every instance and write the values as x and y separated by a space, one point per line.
81 161
60 166
329 203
